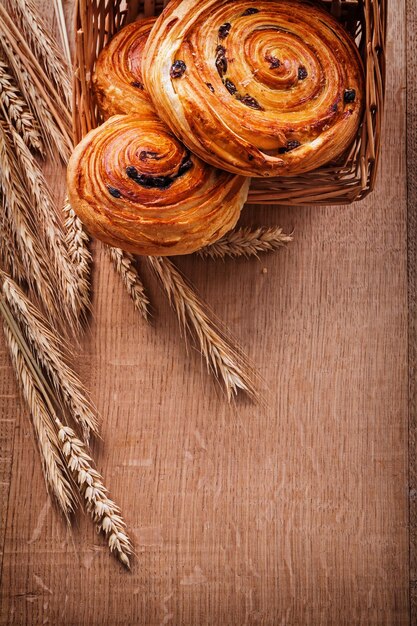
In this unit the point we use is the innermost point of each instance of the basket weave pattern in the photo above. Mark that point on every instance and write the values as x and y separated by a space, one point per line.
350 179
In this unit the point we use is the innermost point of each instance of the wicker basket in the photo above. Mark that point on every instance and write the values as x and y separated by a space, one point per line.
350 179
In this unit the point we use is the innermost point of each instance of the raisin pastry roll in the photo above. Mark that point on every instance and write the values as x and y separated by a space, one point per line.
117 80
272 88
136 187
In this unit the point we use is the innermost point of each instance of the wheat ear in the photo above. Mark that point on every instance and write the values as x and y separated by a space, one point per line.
124 264
56 474
65 460
103 511
17 219
49 229
56 136
247 242
44 47
9 258
49 348
223 358
18 111
77 240
19 243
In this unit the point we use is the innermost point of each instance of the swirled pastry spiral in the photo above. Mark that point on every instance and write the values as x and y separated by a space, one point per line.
117 80
265 88
136 187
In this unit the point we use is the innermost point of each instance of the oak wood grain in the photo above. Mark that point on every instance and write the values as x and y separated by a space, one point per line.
294 515
412 288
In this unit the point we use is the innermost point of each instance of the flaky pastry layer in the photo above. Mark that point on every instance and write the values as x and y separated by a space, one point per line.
136 187
266 88
117 80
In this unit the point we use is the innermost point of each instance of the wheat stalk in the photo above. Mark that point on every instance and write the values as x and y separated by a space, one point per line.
44 46
77 240
72 271
43 207
62 27
56 474
124 264
247 242
27 249
17 110
46 87
18 220
223 358
63 455
30 335
103 511
52 118
9 257
49 349
52 136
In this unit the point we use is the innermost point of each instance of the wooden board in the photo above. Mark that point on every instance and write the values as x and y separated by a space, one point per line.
292 515
412 288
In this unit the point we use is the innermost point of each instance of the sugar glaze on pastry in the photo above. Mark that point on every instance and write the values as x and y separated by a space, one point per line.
266 88
136 187
117 80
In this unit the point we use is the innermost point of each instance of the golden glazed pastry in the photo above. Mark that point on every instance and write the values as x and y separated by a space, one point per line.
266 88
117 80
136 187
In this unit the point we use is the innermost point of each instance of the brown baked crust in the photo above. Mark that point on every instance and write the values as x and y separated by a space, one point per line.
136 187
117 80
273 87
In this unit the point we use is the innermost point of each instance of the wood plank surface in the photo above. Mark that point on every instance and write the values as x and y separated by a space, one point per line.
292 515
412 287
